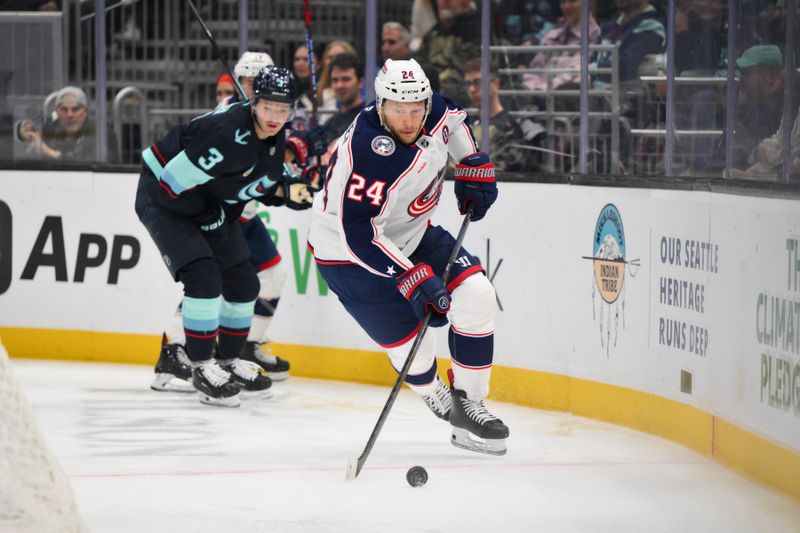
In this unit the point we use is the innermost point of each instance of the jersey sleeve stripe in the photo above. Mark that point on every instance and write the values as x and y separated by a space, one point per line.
470 136
151 161
180 174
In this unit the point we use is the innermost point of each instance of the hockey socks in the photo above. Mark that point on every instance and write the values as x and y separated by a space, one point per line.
472 356
234 325
201 324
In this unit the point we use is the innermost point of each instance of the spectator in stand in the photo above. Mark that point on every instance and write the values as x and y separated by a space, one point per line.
450 44
700 37
224 88
759 115
326 101
423 19
302 74
567 33
506 138
767 158
347 79
71 137
638 30
395 39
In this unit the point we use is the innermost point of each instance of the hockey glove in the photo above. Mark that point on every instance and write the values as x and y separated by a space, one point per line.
308 144
213 225
426 292
475 185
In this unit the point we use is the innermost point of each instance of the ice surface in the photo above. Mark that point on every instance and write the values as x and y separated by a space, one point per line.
144 461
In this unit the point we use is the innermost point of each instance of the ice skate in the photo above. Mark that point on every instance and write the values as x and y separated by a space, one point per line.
214 385
247 376
260 354
439 401
475 428
173 369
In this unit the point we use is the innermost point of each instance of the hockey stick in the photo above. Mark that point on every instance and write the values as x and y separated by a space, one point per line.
311 64
217 51
354 466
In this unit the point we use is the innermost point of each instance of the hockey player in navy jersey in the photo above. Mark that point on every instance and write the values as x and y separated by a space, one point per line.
373 242
194 184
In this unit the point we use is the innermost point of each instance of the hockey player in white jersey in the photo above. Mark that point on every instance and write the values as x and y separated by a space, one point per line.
375 246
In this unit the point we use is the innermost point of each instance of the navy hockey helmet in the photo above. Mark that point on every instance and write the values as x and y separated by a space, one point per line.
276 84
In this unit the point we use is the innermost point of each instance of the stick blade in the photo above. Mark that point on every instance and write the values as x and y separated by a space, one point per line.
352 469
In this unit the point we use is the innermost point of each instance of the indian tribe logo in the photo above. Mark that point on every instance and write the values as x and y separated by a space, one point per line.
608 280
383 145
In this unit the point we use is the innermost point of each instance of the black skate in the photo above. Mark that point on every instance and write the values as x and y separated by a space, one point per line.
260 354
214 385
475 428
439 401
173 369
247 376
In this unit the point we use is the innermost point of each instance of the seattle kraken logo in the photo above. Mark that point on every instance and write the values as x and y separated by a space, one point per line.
429 197
253 190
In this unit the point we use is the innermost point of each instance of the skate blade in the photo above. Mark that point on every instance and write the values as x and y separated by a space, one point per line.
170 383
461 438
265 394
277 376
231 401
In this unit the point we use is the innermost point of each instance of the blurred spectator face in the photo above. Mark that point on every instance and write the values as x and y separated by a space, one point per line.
224 89
346 86
707 10
450 9
760 81
404 119
331 51
393 46
472 82
71 115
572 11
302 69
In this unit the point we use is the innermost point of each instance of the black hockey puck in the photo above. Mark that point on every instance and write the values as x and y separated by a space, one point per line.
416 476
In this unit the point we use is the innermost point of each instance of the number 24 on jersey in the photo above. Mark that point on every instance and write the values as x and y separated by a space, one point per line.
355 190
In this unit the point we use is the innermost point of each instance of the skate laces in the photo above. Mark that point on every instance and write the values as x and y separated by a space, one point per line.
182 356
477 411
265 356
245 369
439 400
214 373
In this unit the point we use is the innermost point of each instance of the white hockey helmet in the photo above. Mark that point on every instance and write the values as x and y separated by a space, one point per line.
251 63
402 80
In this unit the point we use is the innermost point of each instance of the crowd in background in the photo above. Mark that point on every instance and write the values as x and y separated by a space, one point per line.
444 36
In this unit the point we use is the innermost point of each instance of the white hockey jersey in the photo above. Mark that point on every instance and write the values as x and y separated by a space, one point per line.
379 193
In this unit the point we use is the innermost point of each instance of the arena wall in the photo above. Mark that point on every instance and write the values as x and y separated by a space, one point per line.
673 312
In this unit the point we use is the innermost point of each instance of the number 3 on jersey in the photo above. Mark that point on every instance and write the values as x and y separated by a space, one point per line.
374 192
214 157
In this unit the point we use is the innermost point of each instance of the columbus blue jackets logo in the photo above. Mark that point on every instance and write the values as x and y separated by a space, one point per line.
383 145
429 197
445 134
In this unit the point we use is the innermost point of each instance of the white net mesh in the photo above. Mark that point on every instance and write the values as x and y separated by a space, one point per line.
35 495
